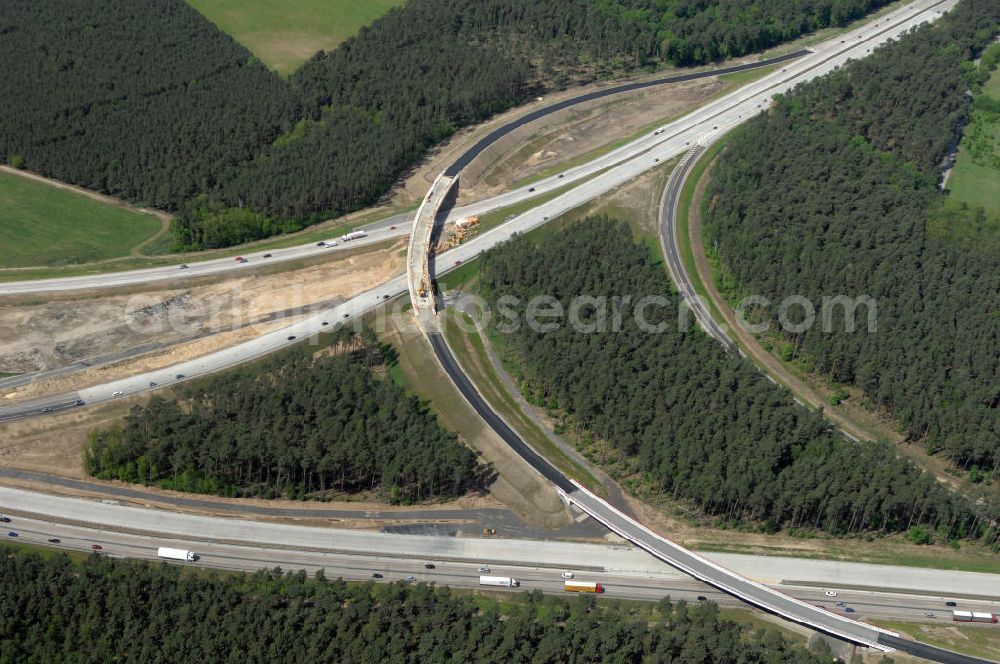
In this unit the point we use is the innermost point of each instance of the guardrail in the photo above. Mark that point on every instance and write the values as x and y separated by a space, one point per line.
720 583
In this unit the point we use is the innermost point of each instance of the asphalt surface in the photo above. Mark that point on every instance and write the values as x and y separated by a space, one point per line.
469 155
227 543
379 230
669 242
627 166
464 385
696 565
466 521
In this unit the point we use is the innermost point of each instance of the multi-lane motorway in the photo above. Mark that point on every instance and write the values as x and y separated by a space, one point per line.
604 173
696 565
873 591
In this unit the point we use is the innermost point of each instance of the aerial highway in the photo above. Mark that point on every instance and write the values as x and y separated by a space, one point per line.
393 226
873 591
696 565
728 109
612 169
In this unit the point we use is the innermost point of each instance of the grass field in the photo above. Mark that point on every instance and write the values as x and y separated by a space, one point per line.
975 640
972 183
42 225
286 34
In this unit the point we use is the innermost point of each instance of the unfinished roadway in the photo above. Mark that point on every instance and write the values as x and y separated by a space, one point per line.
613 169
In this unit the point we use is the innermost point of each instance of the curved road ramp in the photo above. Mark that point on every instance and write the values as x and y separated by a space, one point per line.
677 556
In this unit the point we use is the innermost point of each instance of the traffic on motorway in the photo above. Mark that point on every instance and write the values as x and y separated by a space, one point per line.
465 573
615 168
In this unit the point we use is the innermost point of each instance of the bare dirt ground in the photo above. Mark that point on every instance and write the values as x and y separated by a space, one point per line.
55 444
563 136
447 510
200 319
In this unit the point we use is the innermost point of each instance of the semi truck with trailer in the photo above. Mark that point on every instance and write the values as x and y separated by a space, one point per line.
176 554
354 235
499 581
973 616
583 587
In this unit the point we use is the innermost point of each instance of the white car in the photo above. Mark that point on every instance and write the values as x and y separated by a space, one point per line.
117 394
830 593
567 575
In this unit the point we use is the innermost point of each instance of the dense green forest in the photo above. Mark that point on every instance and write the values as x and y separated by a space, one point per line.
844 199
141 99
105 609
147 100
699 425
293 425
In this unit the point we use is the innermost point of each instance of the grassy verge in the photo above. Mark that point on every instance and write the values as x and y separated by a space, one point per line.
44 225
279 242
975 640
46 552
286 34
683 225
498 217
470 351
976 184
889 551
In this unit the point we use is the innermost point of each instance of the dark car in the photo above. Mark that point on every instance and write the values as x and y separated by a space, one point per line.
96 547
182 266
54 540
702 598
48 409
531 189
321 244
180 376
291 337
4 519
951 604
152 383
267 255
429 566
346 315
78 402
324 323
12 534
848 609
376 575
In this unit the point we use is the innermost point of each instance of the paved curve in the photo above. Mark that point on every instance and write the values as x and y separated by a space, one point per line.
669 204
694 564
632 160
394 226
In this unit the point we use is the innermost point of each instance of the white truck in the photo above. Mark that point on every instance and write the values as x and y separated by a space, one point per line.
353 236
176 554
499 581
